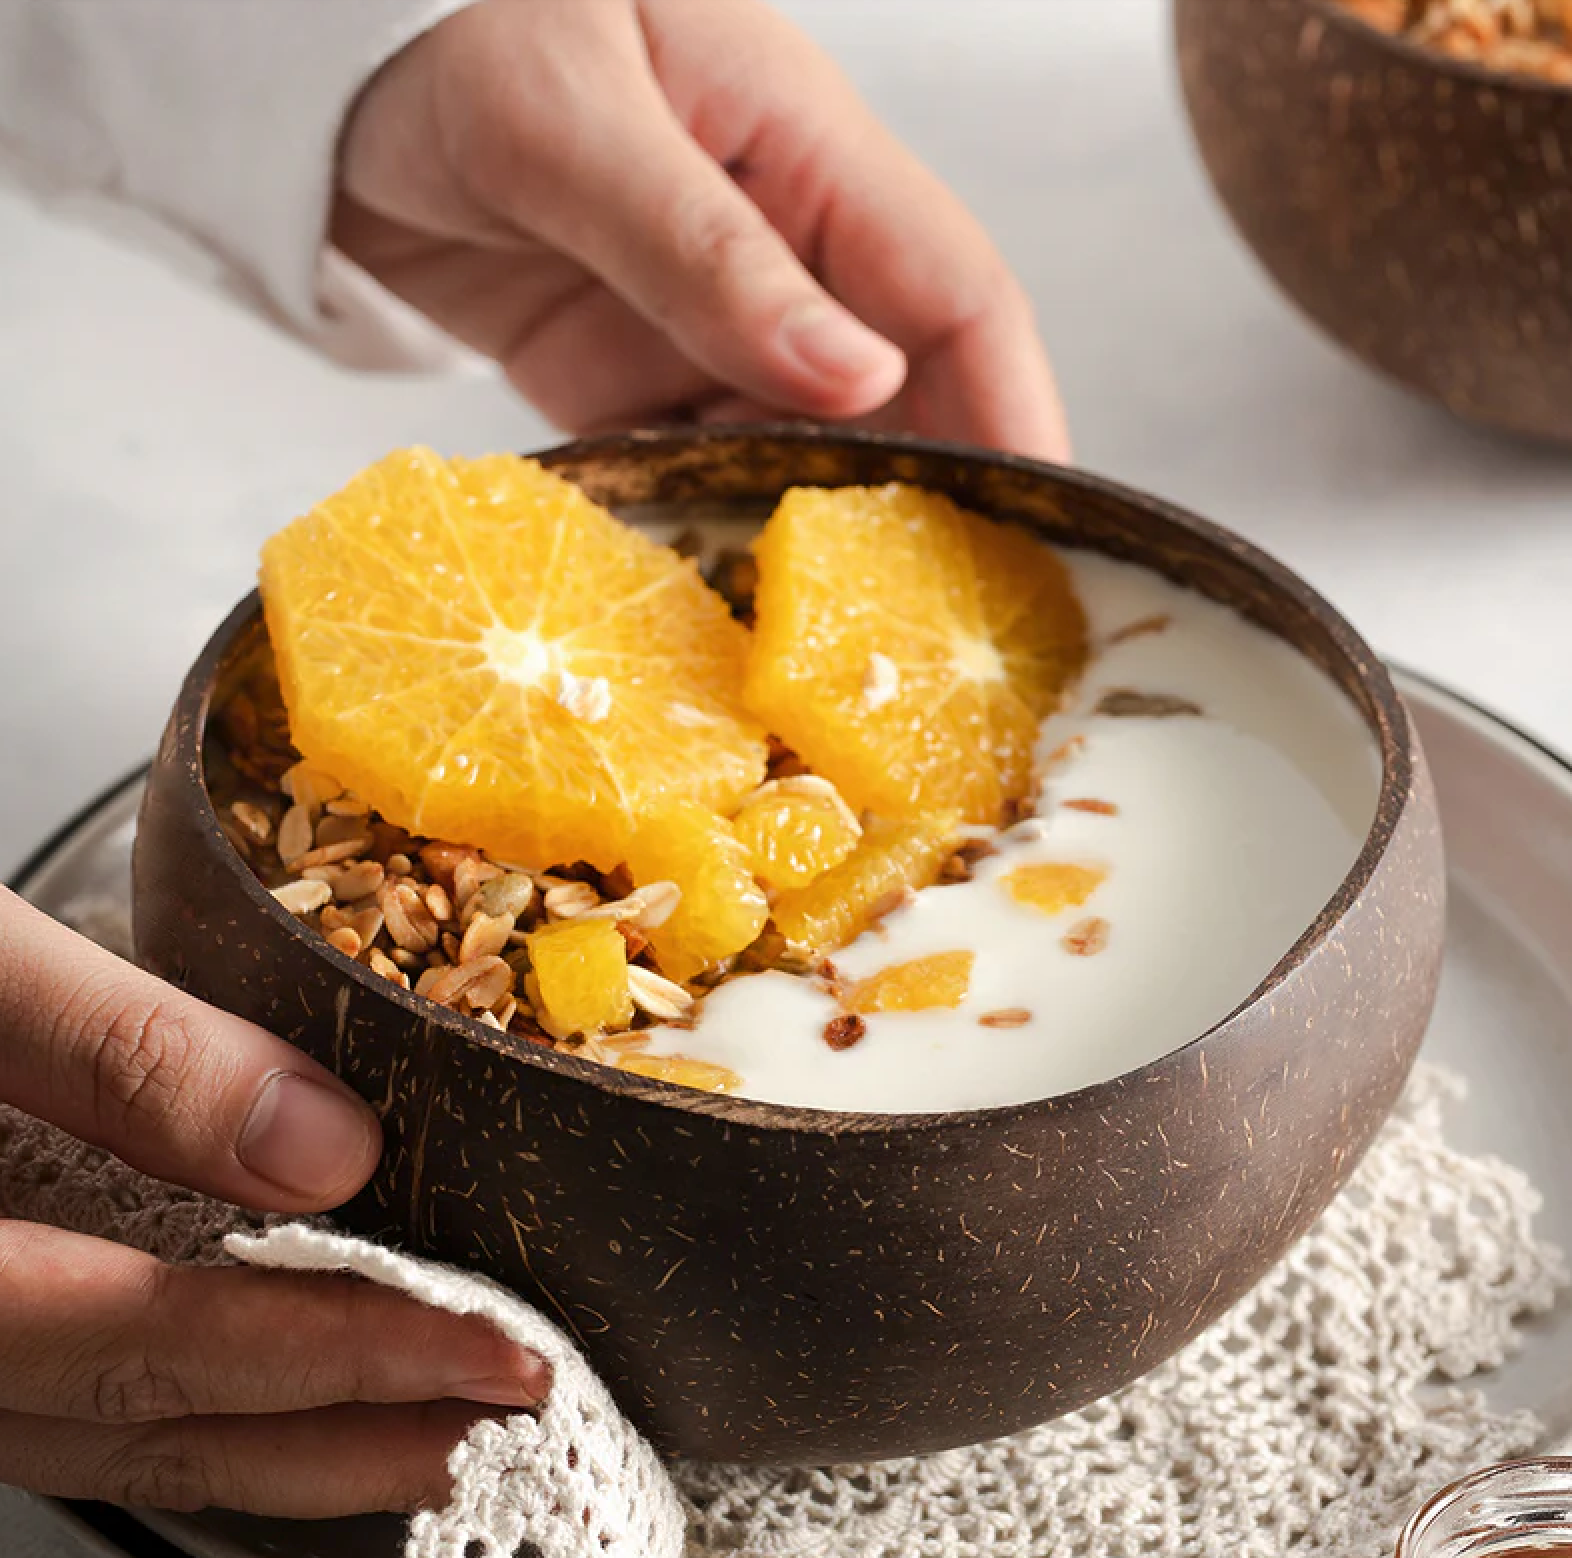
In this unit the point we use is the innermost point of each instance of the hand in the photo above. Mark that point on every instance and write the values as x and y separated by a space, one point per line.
125 1379
653 208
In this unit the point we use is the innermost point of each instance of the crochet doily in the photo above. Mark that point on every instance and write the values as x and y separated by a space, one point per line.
1310 1420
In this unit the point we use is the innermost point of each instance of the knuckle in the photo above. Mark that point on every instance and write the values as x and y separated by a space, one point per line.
165 1469
714 241
139 1390
137 1051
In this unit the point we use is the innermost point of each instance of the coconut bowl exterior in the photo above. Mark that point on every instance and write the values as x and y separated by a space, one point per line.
1415 206
762 1283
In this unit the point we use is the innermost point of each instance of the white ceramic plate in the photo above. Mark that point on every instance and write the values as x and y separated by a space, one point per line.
1504 1021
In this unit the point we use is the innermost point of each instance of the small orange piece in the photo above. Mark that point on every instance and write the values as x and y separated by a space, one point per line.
488 657
722 909
840 905
682 1070
1053 886
796 829
578 979
908 649
943 979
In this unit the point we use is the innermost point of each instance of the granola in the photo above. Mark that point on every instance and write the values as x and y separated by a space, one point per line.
1521 37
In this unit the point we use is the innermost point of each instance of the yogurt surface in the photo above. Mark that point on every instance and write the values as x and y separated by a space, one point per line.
1232 829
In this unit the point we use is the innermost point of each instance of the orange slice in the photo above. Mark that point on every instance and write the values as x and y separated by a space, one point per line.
682 1070
722 909
908 649
488 657
1054 886
578 978
796 829
840 905
941 979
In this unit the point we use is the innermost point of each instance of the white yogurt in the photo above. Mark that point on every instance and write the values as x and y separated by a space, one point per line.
1233 830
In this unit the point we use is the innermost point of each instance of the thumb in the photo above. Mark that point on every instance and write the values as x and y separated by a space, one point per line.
177 1089
678 241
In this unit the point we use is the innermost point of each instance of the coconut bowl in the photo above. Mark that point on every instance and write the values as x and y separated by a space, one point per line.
764 1283
1415 206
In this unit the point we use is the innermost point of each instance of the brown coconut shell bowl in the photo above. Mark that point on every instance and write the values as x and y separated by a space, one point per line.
763 1283
1415 206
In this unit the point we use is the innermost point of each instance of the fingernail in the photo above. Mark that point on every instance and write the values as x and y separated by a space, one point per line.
833 344
309 1138
527 1388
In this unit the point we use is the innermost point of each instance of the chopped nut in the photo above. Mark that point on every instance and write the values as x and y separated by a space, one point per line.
399 865
1125 703
303 897
332 917
647 907
253 822
409 922
663 999
959 867
348 806
1086 938
570 900
442 861
380 963
335 830
843 1032
469 876
310 787
1098 808
486 936
367 924
1006 1017
294 834
491 1020
346 941
439 903
359 880
331 854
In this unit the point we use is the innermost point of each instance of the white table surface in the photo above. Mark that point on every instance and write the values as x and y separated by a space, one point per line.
151 433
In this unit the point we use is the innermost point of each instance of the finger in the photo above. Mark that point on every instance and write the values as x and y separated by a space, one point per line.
178 1089
348 1460
682 244
94 1331
595 364
888 238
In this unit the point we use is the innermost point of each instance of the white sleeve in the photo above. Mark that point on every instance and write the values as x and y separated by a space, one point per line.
220 118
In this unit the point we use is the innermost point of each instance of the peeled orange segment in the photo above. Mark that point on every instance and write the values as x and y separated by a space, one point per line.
578 978
681 1069
941 979
840 905
488 657
722 909
795 829
1053 886
908 649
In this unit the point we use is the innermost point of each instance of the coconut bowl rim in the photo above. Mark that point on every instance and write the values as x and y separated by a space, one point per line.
1405 49
1387 720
